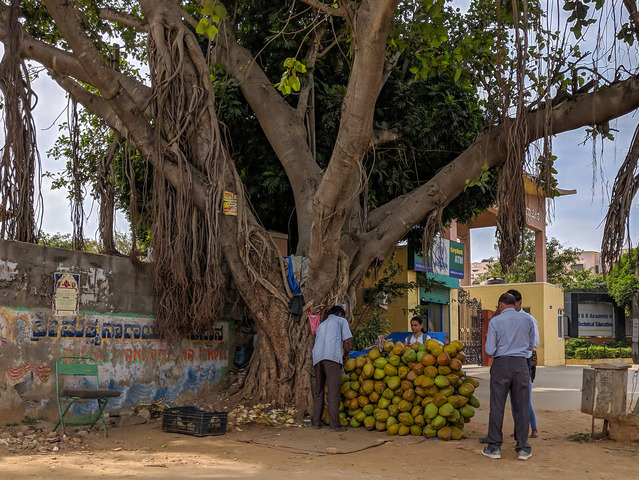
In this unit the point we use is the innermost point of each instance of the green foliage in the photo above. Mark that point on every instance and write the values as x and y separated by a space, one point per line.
623 282
587 282
369 329
627 33
370 321
65 240
580 437
579 14
572 344
547 174
600 351
483 181
212 13
581 348
27 420
559 260
290 82
387 285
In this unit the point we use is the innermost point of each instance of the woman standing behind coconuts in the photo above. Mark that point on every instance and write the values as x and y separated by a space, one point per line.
419 334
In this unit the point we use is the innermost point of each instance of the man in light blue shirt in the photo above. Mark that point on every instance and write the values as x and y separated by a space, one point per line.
534 433
332 344
510 338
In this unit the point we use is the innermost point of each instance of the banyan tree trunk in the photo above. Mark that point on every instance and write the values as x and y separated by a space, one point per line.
281 366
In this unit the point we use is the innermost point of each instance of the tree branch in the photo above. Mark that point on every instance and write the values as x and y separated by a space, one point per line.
370 32
114 15
385 135
343 11
93 103
389 223
275 116
65 63
389 66
112 91
311 59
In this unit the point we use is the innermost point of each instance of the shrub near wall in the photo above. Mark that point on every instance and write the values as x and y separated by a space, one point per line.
581 348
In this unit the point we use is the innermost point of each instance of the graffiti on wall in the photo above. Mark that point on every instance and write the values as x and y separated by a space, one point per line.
129 356
97 330
132 356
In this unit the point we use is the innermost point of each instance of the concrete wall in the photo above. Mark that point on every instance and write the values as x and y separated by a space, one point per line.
114 324
544 301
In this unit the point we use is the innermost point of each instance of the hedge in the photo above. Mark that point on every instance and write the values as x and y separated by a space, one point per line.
585 349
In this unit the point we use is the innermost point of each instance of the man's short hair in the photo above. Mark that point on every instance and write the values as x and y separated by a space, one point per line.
507 299
336 310
516 294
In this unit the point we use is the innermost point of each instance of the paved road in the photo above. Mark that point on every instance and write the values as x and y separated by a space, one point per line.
555 388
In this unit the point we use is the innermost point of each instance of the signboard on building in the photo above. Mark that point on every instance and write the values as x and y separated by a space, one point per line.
447 260
596 320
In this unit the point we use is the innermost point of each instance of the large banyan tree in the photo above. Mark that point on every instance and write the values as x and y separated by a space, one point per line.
340 94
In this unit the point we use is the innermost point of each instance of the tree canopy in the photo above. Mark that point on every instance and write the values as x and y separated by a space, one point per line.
587 281
366 121
623 283
558 263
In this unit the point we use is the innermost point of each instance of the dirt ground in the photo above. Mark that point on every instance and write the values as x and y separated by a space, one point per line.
260 452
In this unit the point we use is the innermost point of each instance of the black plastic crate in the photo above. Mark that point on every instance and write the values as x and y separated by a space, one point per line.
193 421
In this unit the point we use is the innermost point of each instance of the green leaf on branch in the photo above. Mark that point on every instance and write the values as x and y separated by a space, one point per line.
202 26
212 14
290 81
481 181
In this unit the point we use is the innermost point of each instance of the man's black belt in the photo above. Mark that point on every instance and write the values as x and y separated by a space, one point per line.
508 356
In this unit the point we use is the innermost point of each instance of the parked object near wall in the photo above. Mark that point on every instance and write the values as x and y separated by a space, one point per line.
114 324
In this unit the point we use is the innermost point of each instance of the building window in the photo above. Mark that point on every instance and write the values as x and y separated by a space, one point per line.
560 323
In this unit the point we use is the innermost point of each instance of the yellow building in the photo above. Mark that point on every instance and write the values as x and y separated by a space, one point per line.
543 301
443 305
439 305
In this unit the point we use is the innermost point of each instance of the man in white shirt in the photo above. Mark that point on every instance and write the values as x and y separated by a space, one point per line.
332 344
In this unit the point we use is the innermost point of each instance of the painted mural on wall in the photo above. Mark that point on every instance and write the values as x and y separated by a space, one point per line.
132 357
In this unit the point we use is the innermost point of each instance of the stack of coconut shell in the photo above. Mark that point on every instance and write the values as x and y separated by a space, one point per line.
420 389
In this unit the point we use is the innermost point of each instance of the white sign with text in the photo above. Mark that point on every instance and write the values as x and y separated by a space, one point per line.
596 320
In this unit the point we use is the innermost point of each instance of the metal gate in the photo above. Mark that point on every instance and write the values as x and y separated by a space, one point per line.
470 326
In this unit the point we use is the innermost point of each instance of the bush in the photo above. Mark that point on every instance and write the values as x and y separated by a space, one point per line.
367 331
585 349
574 343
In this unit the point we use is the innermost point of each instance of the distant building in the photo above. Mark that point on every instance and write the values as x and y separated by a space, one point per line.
587 260
477 269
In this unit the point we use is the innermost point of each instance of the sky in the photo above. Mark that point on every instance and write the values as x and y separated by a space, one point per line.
579 219
49 113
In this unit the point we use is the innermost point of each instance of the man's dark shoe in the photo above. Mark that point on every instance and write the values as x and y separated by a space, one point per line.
484 440
317 427
491 452
339 429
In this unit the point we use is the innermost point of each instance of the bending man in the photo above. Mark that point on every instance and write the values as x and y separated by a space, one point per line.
332 344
